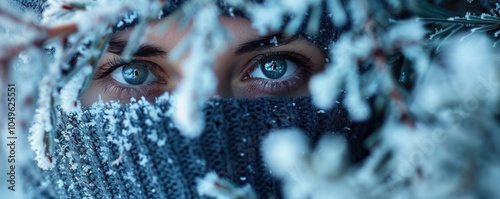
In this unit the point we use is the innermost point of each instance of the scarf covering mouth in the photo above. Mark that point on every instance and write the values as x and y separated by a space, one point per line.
135 151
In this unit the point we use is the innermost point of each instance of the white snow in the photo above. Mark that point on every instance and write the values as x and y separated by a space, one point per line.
329 156
461 81
339 17
199 80
143 159
161 142
42 125
213 186
284 150
130 176
274 41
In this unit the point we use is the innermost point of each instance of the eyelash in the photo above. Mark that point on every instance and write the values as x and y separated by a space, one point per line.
303 72
274 87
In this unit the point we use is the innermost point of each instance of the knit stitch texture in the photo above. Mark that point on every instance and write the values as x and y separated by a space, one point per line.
135 151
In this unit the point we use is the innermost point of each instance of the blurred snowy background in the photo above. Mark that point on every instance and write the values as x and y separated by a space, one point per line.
428 70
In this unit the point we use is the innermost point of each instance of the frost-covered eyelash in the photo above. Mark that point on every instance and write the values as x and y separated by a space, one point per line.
107 68
285 86
280 87
300 60
130 91
294 56
297 58
119 89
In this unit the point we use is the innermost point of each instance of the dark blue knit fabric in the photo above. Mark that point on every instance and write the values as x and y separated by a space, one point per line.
161 163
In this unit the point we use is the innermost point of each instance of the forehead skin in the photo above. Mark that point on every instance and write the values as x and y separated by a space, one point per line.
240 28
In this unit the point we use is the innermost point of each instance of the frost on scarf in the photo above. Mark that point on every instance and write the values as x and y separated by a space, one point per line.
62 86
112 149
214 186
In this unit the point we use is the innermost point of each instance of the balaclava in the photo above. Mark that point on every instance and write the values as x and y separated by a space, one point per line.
159 162
162 163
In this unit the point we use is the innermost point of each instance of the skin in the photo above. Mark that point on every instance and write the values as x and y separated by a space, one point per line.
237 72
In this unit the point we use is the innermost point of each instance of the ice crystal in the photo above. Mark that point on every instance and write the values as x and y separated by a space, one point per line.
214 186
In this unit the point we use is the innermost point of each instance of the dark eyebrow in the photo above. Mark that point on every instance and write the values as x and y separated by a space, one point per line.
263 43
145 50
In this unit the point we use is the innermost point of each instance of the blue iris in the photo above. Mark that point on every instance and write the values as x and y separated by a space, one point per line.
274 69
134 74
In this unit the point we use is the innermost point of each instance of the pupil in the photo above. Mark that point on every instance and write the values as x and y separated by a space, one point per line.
274 69
135 75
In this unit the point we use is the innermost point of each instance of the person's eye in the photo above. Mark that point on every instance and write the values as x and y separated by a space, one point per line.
136 78
276 68
277 74
133 74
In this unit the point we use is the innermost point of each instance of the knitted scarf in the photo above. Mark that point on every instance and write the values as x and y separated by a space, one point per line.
135 151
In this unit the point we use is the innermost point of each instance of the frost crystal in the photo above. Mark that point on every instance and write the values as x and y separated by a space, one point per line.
274 41
69 93
213 186
143 159
283 150
199 82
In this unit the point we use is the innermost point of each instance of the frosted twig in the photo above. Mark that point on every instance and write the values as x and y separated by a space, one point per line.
214 186
14 18
117 161
394 93
48 33
381 64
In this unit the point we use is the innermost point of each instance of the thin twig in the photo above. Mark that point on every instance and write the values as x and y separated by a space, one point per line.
48 33
382 64
18 20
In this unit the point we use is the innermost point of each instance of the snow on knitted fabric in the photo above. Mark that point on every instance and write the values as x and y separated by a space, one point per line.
135 151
